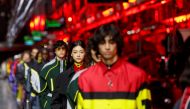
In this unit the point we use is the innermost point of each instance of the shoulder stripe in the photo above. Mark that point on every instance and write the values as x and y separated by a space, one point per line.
187 103
49 63
51 69
77 74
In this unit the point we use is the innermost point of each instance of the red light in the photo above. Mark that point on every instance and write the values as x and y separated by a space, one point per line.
163 1
42 22
168 30
54 4
152 1
125 5
69 19
90 19
78 25
179 3
38 23
37 20
132 1
31 25
108 12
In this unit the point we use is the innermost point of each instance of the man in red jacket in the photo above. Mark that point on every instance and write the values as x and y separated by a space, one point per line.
112 83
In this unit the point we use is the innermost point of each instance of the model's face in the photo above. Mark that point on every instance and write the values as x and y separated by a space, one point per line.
108 49
34 52
26 57
78 54
39 57
45 55
60 52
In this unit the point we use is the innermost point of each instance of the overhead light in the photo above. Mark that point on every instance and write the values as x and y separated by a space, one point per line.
125 5
108 12
131 1
163 1
69 19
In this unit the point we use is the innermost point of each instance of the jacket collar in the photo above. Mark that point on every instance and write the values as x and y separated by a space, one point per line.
115 68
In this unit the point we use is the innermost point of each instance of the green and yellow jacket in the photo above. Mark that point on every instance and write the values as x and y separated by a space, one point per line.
47 76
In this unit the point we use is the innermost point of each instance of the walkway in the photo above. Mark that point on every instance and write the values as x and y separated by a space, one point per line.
7 100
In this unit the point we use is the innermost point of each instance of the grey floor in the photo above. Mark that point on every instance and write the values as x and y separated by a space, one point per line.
7 100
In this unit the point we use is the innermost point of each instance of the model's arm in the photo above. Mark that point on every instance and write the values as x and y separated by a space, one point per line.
144 95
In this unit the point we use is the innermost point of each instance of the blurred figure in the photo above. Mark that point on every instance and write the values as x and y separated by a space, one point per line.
38 62
25 58
45 55
8 66
28 80
49 71
184 101
20 78
3 69
113 82
34 52
13 71
77 62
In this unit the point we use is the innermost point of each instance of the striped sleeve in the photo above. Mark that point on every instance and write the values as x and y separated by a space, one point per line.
43 83
72 90
143 95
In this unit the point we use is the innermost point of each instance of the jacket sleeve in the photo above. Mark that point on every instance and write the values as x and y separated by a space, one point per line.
79 101
73 90
43 83
57 96
72 93
35 80
20 73
43 86
143 96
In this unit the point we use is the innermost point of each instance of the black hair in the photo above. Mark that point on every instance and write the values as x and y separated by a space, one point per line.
72 45
43 51
77 43
88 51
90 46
108 30
60 43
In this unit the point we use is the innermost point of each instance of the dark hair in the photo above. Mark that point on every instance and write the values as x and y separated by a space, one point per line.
108 30
77 43
60 43
43 51
72 45
88 51
90 46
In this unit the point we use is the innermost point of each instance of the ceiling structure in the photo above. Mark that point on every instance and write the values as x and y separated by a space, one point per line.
79 18
5 14
141 16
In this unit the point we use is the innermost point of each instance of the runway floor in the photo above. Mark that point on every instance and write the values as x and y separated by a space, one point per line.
7 99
